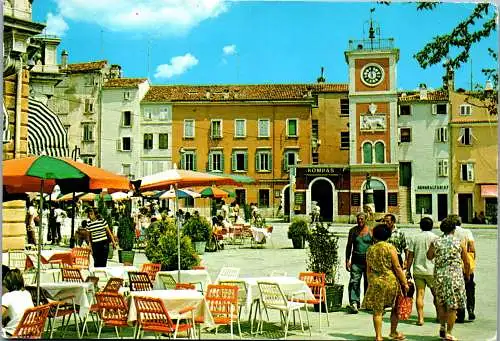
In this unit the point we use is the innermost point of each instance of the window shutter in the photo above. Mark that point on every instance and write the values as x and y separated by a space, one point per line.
210 162
245 161
447 108
445 134
440 168
461 137
434 109
131 143
257 163
194 162
118 144
399 135
222 162
445 167
183 161
233 161
270 161
285 162
399 110
470 172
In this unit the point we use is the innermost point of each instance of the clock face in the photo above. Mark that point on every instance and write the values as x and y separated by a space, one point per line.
372 74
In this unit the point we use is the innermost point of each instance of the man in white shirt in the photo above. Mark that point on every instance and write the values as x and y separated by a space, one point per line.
423 268
470 286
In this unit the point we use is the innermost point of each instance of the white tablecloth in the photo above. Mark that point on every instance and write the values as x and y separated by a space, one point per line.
289 286
174 301
259 234
120 271
83 293
187 276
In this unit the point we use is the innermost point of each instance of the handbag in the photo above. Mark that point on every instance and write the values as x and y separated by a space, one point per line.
405 303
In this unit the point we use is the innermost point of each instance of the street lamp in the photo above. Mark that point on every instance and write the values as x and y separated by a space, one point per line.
75 155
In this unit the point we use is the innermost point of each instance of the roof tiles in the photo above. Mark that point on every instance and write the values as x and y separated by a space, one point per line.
86 67
221 93
411 96
124 82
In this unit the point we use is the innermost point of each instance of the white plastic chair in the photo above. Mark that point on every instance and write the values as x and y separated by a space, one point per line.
227 273
272 297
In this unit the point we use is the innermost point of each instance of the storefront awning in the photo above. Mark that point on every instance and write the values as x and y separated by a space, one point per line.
489 191
46 134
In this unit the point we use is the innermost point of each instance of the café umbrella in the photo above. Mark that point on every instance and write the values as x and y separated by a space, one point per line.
44 172
180 178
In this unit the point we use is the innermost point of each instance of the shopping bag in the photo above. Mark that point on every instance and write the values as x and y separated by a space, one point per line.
405 302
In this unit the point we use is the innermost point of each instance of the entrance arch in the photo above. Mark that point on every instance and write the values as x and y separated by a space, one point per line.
379 194
322 191
285 200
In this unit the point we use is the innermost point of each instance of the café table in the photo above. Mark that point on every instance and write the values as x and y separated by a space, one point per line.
187 276
175 300
82 292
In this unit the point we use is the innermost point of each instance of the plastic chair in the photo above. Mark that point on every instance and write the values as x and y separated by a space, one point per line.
222 301
317 283
32 323
151 269
167 281
80 257
199 267
272 297
71 275
139 281
17 260
58 308
152 316
113 311
185 286
227 273
113 285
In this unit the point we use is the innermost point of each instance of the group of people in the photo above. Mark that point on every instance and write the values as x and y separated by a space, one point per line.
53 217
443 263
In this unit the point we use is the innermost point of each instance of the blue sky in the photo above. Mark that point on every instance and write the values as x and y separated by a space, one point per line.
249 42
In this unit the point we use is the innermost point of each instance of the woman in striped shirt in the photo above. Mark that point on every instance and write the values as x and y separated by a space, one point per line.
99 232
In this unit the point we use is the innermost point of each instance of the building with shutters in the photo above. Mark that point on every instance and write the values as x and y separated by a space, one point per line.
423 154
474 158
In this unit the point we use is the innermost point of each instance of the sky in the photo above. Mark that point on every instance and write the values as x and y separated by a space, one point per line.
251 42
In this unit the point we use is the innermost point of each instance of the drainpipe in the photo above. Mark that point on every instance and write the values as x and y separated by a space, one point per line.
19 94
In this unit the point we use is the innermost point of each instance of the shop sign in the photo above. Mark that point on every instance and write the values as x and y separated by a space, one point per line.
321 171
429 187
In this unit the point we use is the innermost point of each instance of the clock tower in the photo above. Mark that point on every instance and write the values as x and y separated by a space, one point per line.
373 122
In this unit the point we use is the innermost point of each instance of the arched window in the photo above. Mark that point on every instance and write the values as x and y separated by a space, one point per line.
367 153
379 152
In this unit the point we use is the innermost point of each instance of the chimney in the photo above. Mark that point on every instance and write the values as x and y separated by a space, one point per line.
207 94
423 91
115 71
321 79
488 86
64 59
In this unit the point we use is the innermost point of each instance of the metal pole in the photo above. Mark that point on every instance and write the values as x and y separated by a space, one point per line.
74 154
39 256
179 222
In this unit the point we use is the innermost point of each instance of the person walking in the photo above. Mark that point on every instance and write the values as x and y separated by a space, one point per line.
423 269
386 280
31 222
60 215
449 253
398 238
358 241
466 236
99 233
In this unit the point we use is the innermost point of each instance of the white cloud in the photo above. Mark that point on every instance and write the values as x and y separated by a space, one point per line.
150 16
229 50
56 25
178 65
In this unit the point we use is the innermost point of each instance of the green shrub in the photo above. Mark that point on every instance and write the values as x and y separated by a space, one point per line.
126 229
161 246
198 229
298 228
323 252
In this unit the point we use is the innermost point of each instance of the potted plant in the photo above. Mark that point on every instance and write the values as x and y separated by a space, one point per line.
198 229
126 237
161 246
298 232
323 256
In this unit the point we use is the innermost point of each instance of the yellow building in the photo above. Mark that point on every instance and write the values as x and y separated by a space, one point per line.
474 157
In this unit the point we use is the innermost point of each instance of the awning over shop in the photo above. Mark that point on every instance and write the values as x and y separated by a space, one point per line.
489 191
6 131
46 134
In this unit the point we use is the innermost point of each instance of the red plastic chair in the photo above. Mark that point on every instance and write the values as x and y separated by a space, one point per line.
151 269
185 286
113 311
199 267
152 316
317 283
80 257
71 275
222 301
32 323
139 281
113 285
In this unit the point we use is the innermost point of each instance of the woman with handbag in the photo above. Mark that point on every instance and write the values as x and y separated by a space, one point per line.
386 281
100 237
449 252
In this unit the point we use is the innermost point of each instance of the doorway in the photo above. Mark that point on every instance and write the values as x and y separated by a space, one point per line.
465 207
442 206
286 202
322 193
241 197
491 209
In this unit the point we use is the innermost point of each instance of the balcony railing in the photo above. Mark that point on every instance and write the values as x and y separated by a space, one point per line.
371 44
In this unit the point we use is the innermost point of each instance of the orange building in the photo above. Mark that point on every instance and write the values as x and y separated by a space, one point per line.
260 131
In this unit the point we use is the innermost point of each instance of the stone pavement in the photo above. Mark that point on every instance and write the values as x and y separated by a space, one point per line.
279 255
